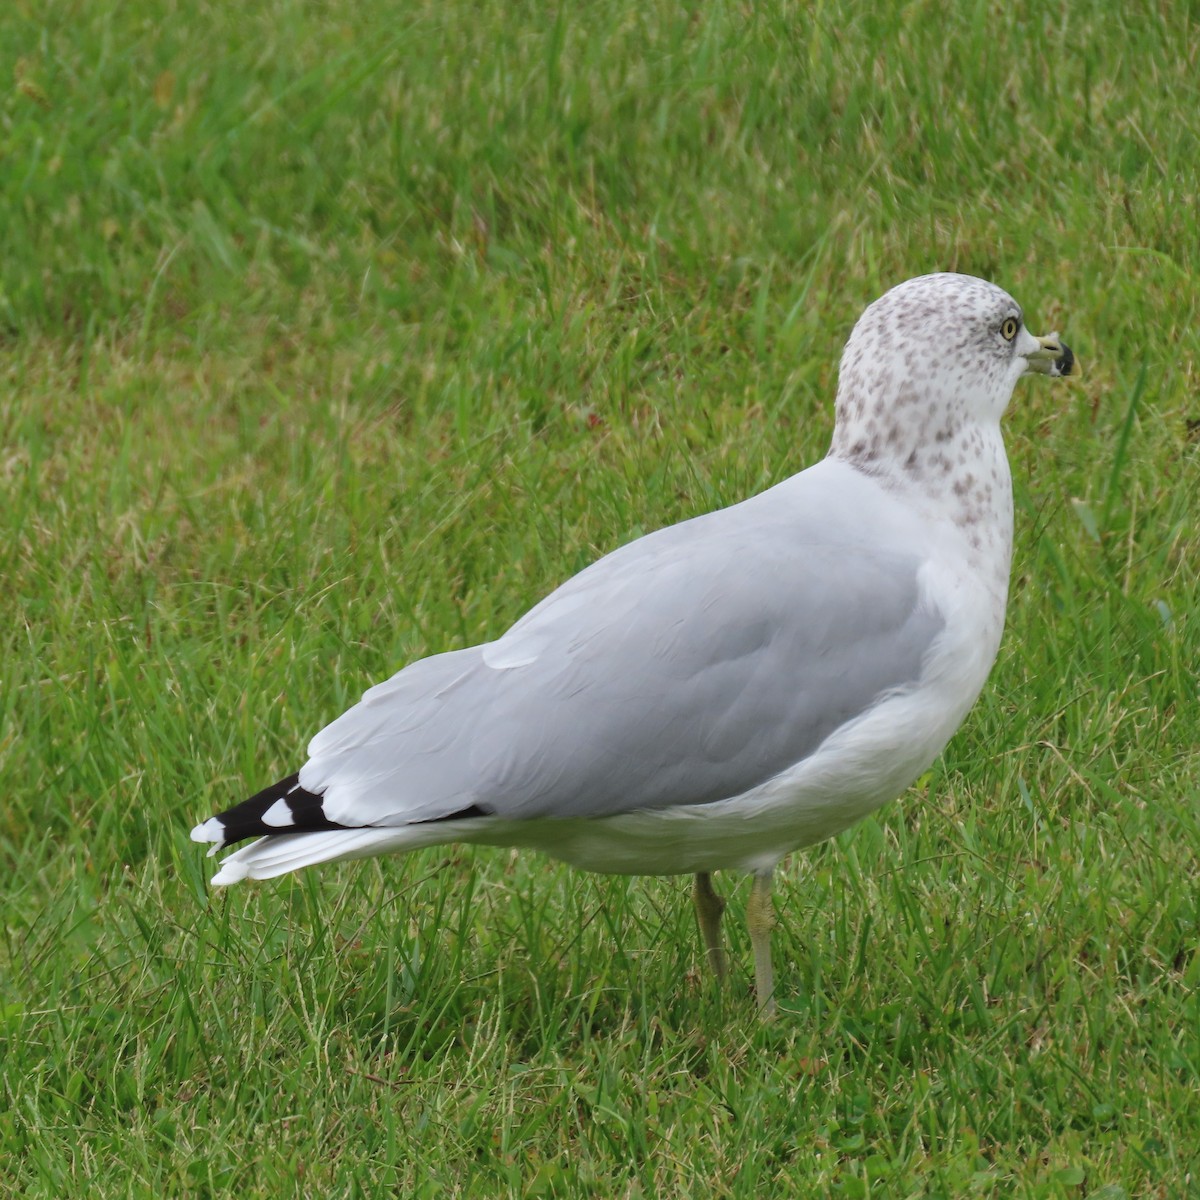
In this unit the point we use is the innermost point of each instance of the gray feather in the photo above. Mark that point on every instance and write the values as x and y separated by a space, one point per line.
685 668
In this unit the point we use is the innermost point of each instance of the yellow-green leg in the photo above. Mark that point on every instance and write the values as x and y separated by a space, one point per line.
760 919
709 907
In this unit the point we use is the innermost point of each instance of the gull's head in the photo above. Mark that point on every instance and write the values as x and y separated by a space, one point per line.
932 357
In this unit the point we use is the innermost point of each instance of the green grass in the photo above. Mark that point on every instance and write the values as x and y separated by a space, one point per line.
333 335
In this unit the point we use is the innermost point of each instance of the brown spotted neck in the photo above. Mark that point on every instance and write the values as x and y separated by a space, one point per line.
948 468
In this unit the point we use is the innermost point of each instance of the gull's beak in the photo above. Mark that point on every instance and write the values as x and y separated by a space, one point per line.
1052 356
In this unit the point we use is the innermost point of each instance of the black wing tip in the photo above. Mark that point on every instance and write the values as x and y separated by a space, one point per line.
291 809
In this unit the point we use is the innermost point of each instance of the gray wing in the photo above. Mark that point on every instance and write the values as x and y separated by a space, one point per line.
686 667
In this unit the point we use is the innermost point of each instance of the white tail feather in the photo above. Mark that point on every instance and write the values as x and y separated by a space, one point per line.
279 854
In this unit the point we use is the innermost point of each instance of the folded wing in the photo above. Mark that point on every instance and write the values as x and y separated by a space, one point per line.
685 668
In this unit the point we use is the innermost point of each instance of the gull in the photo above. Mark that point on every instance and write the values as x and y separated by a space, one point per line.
724 691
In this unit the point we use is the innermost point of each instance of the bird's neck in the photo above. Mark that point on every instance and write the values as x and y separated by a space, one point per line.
955 472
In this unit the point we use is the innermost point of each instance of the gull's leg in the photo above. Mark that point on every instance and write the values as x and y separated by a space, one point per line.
709 907
760 919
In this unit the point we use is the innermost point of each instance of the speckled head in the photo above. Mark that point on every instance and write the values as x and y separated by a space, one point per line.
933 356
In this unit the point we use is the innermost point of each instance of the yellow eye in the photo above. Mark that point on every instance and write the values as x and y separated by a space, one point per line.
1008 330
